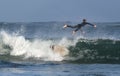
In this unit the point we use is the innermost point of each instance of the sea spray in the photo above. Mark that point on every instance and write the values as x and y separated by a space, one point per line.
36 48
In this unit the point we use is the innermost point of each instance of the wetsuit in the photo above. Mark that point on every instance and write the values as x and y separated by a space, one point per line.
78 26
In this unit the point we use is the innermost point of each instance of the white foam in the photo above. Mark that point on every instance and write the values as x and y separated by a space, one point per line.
37 48
65 42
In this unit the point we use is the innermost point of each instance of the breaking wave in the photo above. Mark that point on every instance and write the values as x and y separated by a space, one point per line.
80 50
16 45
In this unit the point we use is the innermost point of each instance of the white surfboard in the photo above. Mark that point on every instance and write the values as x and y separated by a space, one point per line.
61 50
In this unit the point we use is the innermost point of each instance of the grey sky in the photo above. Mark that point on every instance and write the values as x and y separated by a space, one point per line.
59 10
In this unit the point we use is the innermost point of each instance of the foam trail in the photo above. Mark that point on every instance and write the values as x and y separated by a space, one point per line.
23 47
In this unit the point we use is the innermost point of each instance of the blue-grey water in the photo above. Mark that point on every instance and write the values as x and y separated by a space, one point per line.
25 49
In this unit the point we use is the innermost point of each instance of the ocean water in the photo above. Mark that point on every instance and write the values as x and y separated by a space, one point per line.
25 49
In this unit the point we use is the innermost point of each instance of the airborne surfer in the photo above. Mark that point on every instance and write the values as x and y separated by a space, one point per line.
78 26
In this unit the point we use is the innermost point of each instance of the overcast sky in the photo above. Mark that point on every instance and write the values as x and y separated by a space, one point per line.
59 10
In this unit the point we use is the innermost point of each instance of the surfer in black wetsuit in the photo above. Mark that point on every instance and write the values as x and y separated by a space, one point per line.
78 26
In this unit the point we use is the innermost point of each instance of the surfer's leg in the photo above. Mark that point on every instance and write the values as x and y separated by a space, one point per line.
75 30
82 31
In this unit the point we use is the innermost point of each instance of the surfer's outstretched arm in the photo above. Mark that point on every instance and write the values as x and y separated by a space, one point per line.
91 24
70 26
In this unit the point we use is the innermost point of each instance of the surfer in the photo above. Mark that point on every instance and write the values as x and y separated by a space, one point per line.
78 26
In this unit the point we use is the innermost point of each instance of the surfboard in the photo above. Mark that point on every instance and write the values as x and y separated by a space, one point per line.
61 50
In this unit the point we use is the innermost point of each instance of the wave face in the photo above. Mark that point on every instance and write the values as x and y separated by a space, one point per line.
98 51
32 41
